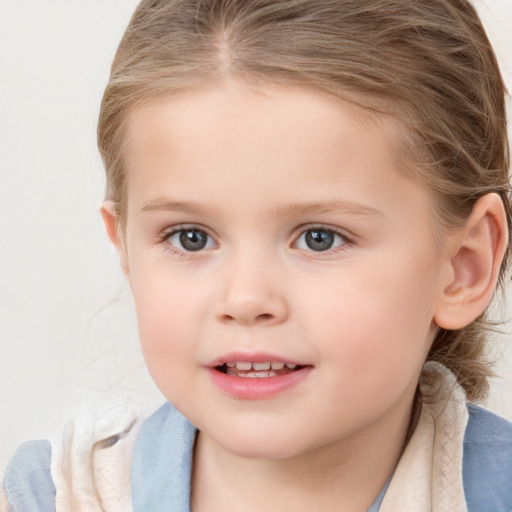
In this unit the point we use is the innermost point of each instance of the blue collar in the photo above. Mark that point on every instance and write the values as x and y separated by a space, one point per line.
162 462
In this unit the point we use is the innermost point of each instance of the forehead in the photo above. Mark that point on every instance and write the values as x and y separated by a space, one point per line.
198 108
269 117
271 142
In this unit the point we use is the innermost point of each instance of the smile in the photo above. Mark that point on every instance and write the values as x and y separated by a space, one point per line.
257 370
257 376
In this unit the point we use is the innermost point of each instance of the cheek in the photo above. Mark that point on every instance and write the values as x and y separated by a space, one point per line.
166 299
378 316
168 311
373 335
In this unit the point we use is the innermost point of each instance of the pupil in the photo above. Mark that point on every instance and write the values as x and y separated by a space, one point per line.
193 239
319 240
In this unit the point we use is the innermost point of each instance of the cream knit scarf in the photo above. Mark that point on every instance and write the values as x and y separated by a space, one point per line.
91 462
428 477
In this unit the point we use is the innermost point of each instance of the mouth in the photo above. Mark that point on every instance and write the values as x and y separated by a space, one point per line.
257 376
255 370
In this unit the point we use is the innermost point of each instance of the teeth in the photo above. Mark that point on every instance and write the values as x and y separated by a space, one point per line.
261 366
244 365
253 375
257 370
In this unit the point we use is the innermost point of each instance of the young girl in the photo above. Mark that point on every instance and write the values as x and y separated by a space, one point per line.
311 206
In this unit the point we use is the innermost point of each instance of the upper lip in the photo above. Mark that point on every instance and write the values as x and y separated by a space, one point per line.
253 357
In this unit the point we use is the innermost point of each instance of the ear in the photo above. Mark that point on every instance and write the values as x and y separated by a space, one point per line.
476 256
108 212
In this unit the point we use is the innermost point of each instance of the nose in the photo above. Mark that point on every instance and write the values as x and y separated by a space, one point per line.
252 296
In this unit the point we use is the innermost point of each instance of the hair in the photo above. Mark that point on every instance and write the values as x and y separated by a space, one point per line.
428 65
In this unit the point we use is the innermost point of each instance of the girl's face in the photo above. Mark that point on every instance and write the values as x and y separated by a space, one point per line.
274 227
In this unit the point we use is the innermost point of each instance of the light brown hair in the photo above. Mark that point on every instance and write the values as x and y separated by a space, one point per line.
427 64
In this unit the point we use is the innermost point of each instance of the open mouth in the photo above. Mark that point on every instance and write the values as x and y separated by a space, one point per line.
240 378
257 370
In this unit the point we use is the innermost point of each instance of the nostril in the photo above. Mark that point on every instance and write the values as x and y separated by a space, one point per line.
247 310
264 317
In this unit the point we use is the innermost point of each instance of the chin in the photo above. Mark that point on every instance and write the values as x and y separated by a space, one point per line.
261 444
263 452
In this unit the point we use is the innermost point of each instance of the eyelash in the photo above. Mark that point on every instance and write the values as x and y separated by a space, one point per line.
345 240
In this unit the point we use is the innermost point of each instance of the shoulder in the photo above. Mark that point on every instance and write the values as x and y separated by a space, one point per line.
486 428
487 462
87 463
27 482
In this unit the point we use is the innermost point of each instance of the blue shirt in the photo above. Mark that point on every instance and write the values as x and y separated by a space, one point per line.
162 463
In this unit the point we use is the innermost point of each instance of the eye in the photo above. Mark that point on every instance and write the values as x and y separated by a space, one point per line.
319 240
190 240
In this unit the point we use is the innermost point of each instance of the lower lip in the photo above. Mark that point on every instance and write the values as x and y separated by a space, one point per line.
257 388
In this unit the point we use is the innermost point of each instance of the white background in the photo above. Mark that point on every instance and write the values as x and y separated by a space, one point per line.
66 319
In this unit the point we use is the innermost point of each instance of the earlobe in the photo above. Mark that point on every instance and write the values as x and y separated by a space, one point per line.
111 222
475 262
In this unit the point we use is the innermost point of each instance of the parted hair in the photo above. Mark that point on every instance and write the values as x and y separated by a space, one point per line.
428 65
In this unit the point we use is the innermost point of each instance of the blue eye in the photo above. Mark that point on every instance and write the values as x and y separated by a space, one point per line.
190 240
320 240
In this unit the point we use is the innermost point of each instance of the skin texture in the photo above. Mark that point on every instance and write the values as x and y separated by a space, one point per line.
254 170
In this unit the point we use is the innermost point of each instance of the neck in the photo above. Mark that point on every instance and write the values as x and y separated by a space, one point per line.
346 474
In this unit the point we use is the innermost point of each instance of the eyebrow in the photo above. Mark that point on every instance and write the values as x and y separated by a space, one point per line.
287 210
164 204
347 207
